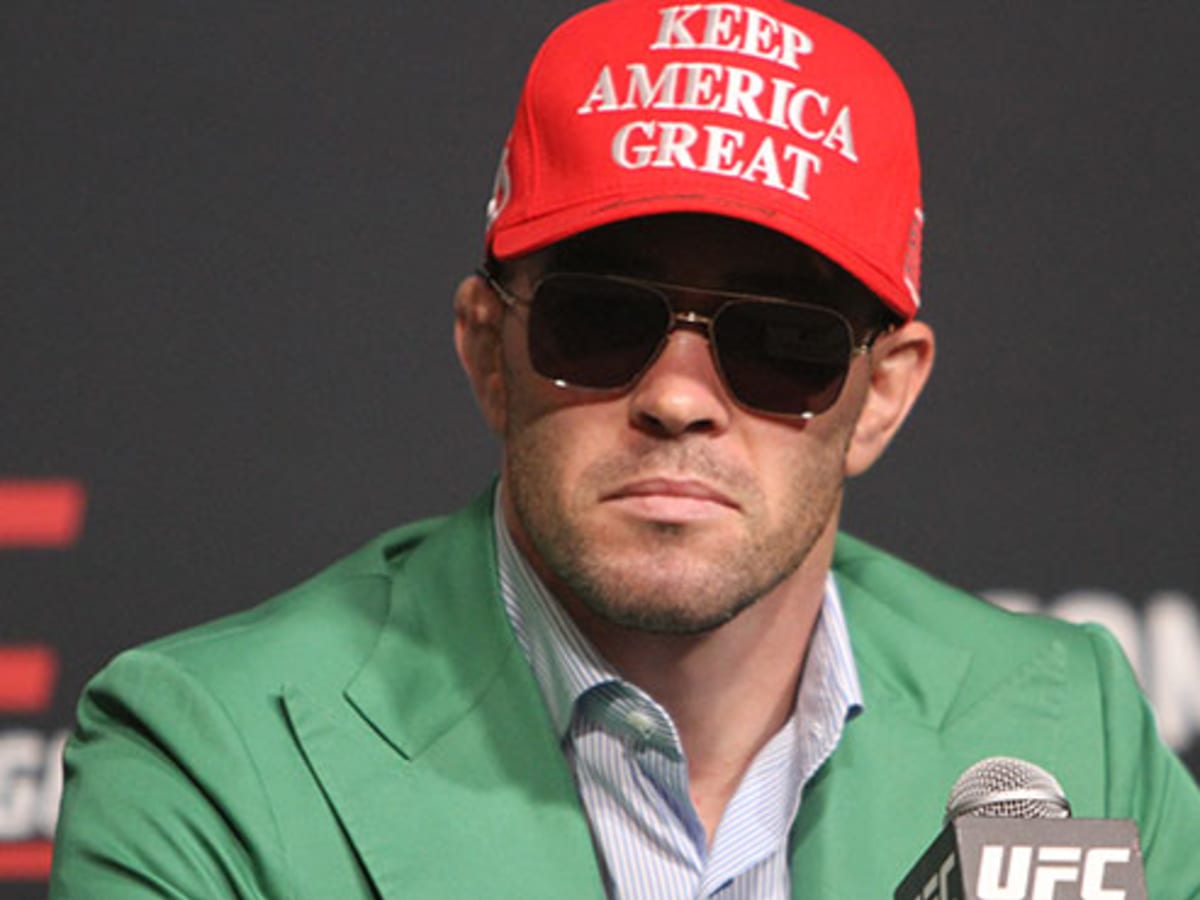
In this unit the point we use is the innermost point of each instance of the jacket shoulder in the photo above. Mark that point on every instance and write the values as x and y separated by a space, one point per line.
315 633
972 668
875 578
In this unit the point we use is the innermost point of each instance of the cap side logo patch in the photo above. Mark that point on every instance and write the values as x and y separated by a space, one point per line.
501 189
912 256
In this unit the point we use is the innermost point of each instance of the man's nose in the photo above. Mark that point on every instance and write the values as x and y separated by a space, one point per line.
682 391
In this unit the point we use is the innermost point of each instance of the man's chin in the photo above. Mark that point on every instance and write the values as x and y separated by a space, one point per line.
658 618
664 600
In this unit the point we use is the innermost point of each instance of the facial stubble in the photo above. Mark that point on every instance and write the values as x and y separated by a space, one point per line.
667 578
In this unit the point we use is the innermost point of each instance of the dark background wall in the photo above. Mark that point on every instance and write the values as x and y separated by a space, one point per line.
230 236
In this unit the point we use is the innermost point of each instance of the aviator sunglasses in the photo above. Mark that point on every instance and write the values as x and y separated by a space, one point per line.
602 332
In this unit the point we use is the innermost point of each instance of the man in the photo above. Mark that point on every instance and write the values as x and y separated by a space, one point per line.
644 664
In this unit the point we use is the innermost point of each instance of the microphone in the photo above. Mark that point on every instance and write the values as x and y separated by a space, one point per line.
1009 836
1001 787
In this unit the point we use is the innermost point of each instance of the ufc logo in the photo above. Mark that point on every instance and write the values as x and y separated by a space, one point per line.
1019 878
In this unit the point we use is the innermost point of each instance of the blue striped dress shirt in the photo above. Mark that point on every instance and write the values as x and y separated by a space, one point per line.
629 765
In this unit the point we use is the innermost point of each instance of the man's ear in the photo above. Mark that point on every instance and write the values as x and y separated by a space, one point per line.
900 363
478 317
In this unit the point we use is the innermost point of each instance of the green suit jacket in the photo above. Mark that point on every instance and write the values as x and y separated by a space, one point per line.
377 732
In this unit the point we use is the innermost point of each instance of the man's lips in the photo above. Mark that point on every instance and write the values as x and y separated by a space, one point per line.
672 498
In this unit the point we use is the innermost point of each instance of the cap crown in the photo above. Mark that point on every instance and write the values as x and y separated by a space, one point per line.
758 110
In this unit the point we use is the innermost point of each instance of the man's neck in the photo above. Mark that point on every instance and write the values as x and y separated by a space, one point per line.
728 690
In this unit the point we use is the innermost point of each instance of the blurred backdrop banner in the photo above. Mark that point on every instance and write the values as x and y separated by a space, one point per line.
231 236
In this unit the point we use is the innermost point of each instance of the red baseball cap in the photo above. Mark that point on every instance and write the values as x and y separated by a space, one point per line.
758 110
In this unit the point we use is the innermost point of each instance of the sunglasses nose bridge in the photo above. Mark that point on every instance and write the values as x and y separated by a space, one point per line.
701 325
690 320
698 323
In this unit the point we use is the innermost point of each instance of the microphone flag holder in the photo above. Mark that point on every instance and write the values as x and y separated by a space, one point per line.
980 858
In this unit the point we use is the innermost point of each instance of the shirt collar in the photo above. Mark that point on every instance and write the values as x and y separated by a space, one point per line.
565 663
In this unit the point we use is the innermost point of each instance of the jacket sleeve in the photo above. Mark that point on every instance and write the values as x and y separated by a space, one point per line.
1146 780
161 796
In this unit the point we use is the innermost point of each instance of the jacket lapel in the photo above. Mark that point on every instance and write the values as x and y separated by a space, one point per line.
847 829
931 708
442 765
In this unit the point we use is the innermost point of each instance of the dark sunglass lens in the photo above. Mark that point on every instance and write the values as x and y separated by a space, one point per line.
594 332
783 358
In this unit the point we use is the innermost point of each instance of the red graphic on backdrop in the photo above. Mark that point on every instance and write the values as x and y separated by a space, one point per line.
34 514
28 861
27 678
41 513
